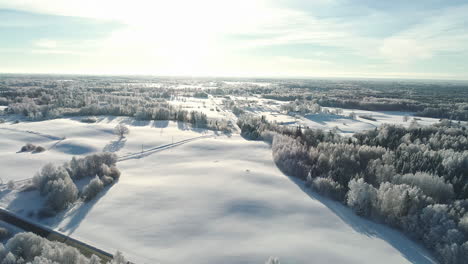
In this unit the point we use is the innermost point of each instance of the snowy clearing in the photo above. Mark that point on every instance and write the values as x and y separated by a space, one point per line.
210 199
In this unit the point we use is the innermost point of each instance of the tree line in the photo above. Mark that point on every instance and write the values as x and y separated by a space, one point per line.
26 247
143 104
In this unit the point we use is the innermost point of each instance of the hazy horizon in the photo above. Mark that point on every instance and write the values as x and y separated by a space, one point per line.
242 39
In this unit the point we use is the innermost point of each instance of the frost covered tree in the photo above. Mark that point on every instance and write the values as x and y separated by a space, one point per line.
56 185
121 130
272 260
361 196
431 185
30 248
92 189
328 187
119 258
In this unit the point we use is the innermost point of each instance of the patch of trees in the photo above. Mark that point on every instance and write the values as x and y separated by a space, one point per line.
434 99
368 117
414 179
31 110
57 183
231 105
39 103
30 248
89 120
202 95
32 148
302 107
282 97
455 112
372 104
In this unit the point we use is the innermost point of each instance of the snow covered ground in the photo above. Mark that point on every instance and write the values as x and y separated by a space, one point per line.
344 125
65 138
204 105
208 198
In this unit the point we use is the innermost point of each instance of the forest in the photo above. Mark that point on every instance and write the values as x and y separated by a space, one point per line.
47 99
414 179
43 96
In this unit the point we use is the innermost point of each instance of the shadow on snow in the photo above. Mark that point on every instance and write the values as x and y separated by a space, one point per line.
413 252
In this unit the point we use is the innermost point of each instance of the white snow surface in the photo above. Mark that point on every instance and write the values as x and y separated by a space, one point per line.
208 198
271 110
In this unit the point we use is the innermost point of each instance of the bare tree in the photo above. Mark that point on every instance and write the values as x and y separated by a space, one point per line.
121 130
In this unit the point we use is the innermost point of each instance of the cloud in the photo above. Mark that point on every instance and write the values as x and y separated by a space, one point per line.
46 43
404 50
439 32
213 36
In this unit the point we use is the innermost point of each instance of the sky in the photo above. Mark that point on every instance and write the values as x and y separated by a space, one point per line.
419 39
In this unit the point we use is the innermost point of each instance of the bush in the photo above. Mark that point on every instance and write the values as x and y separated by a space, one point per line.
431 185
31 248
61 194
56 184
107 180
91 165
39 149
28 147
328 188
90 119
31 147
114 172
92 189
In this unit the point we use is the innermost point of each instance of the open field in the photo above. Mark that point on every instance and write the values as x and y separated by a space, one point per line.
216 198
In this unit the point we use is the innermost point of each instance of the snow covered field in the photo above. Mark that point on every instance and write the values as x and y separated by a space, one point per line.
207 198
345 125
65 138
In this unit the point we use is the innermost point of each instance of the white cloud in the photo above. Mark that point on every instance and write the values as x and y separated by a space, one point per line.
443 31
46 43
194 36
404 50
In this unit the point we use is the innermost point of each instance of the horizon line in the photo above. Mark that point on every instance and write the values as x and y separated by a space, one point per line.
298 77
